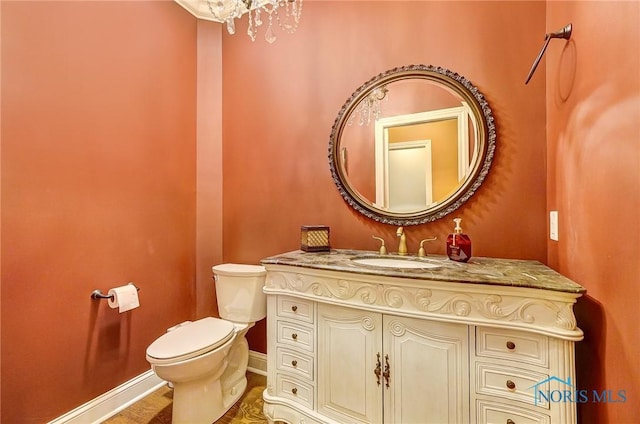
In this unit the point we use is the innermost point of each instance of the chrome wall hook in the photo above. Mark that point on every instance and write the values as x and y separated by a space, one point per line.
564 33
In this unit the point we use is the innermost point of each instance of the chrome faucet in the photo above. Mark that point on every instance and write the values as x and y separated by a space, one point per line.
402 246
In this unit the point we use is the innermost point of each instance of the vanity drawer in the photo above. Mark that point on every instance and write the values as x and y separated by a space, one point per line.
511 383
295 335
294 389
296 309
490 412
512 346
295 363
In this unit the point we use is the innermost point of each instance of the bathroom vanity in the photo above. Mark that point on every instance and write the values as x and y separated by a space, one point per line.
359 338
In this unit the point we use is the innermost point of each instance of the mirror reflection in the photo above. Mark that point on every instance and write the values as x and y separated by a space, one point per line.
410 144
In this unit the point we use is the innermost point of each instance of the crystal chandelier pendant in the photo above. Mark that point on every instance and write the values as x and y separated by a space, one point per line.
363 115
257 17
269 35
228 11
251 30
231 26
369 109
292 11
297 11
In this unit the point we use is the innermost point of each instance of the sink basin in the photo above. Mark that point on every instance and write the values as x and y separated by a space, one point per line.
403 263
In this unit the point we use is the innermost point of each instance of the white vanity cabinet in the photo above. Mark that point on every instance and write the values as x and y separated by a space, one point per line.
348 344
511 367
376 367
292 349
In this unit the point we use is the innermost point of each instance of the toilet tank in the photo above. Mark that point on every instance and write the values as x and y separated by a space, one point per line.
239 292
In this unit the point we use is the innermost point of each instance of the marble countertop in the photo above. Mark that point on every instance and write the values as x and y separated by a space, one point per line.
491 271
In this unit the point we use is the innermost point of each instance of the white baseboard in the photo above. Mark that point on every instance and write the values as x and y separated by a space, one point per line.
257 362
115 400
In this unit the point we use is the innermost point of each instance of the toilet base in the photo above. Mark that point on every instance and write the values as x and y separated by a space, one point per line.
207 386
210 408
233 395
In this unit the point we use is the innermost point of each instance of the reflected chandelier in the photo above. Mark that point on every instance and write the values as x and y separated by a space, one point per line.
286 13
369 108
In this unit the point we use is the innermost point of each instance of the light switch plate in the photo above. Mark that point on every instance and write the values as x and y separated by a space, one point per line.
553 225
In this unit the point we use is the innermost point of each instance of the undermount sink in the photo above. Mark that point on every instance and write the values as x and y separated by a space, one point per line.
403 263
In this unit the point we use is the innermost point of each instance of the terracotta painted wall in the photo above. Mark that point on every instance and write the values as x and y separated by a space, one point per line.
209 164
276 133
0 215
124 206
593 181
98 189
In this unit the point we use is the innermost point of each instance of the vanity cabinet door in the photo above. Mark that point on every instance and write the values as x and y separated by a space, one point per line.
375 368
349 341
428 371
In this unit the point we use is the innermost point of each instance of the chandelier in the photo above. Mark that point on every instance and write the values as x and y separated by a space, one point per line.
282 13
369 108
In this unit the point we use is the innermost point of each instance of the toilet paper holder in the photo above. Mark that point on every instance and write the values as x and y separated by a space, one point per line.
97 294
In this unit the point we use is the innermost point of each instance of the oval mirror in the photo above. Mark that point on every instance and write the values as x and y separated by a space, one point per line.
412 145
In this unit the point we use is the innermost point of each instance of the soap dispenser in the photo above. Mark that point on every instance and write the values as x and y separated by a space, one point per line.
458 244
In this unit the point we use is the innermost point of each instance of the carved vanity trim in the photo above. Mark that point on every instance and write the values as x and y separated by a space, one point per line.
548 313
488 329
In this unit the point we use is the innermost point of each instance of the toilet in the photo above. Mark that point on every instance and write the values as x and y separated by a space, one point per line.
206 360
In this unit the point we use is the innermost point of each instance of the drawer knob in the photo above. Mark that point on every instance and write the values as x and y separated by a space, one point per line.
294 363
510 421
294 391
511 345
511 385
294 308
294 336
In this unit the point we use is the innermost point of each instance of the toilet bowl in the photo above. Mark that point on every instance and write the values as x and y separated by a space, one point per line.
206 360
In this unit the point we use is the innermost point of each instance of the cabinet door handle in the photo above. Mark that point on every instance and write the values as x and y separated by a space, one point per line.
378 370
294 363
511 385
511 345
294 391
387 370
510 421
294 308
294 336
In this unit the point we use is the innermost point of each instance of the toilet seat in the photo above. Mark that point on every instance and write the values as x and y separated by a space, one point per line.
190 340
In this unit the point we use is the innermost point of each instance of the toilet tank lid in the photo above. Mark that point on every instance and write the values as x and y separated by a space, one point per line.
239 269
200 336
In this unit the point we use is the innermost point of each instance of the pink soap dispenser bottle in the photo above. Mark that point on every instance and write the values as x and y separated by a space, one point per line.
458 244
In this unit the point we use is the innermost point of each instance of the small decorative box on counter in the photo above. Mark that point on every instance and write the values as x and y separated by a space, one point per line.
314 238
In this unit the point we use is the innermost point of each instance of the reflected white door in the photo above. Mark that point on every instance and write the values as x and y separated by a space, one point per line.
409 183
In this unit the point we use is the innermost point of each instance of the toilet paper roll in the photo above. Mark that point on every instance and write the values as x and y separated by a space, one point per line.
124 298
